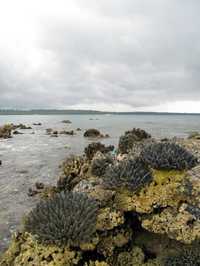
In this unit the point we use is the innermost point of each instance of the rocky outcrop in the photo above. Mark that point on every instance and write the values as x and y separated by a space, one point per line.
157 224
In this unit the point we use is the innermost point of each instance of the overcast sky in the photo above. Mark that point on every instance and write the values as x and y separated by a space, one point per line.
117 55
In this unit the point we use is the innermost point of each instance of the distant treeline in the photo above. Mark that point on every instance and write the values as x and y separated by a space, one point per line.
80 112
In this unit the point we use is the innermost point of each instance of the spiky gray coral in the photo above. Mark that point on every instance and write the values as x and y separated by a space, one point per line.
167 155
100 163
188 257
131 173
127 140
68 218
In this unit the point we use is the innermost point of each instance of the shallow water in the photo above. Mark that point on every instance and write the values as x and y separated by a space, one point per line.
35 157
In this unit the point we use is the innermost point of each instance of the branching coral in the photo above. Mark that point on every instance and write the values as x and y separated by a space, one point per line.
94 147
127 141
68 218
131 173
188 257
168 156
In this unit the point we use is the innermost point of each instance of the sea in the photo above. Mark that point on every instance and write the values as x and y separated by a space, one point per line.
35 156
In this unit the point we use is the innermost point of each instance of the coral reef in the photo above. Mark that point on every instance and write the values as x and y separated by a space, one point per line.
94 147
26 250
73 169
187 257
126 141
99 164
131 173
167 155
68 218
117 210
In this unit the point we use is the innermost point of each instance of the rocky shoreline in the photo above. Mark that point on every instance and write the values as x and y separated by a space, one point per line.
137 205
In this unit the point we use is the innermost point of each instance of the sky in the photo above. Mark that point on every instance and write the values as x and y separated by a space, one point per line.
114 55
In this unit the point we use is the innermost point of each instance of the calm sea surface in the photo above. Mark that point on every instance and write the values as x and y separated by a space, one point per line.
29 158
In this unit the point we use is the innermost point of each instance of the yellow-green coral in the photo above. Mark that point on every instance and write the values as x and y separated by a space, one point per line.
25 250
107 219
161 192
114 239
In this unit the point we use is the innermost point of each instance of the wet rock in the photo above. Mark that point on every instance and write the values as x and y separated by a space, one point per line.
78 129
66 122
6 131
32 192
93 147
39 185
0 162
94 133
54 133
194 135
22 126
71 132
15 132
49 131
37 124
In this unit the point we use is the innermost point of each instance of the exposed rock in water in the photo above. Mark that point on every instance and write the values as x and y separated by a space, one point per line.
94 133
16 132
6 131
64 132
66 122
37 124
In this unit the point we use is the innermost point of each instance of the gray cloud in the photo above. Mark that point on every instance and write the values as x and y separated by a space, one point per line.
112 54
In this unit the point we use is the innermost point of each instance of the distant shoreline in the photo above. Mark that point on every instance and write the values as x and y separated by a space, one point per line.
83 112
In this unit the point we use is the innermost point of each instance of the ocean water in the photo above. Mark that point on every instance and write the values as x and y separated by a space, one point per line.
29 158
